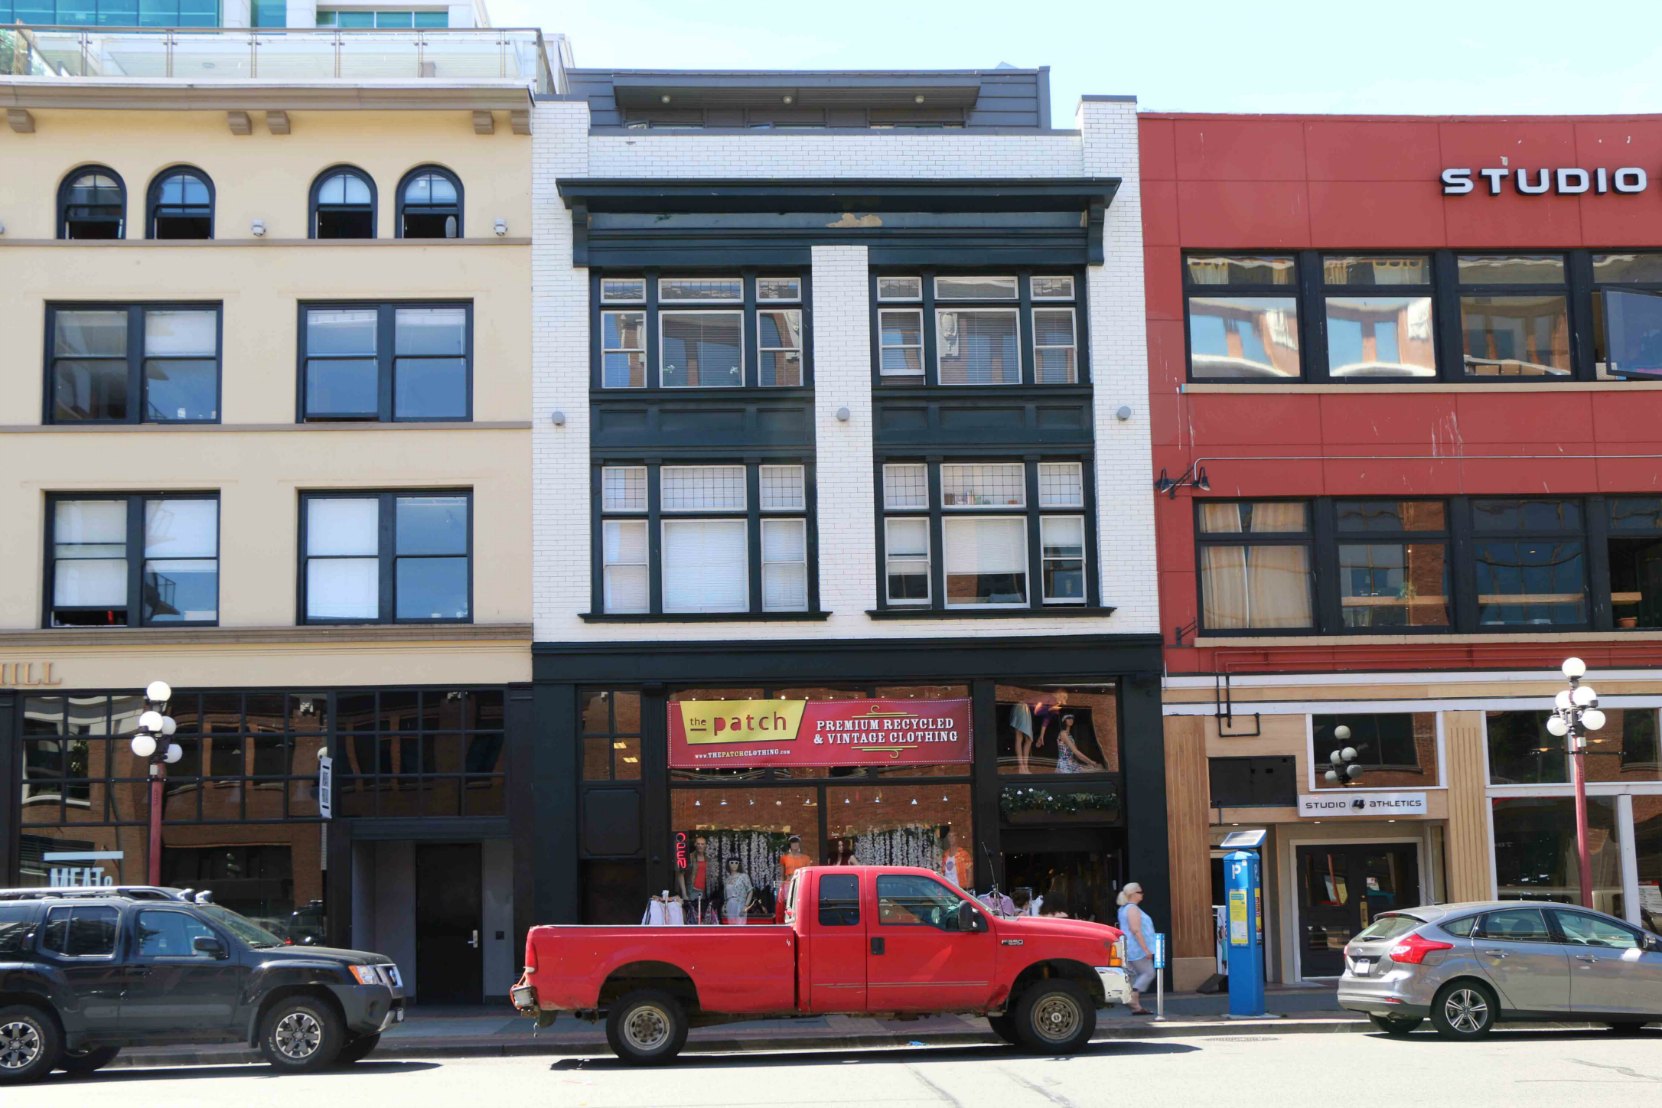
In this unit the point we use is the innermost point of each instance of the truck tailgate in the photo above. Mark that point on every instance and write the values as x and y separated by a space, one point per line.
735 969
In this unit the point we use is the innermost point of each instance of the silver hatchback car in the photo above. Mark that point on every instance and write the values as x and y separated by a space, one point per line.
1467 966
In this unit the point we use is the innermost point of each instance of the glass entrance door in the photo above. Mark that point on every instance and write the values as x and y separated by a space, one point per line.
1341 889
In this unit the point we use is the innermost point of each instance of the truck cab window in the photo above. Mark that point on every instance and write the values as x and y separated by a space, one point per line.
906 900
839 900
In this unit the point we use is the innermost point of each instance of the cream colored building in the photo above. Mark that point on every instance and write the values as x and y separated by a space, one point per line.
381 622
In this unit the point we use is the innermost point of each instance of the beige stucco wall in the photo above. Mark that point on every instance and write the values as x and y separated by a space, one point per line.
259 458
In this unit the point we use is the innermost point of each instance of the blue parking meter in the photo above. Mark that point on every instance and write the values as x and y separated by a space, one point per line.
1246 944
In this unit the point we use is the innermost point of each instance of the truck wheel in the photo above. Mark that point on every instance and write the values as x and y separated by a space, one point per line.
300 1034
29 1043
1055 1017
646 1027
93 1058
356 1050
1004 1027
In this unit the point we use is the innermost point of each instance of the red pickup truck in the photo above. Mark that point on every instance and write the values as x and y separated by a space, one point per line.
870 940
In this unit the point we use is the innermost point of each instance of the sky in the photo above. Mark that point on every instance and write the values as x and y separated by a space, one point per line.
1414 57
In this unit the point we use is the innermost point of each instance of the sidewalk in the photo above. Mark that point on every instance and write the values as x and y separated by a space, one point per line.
491 1031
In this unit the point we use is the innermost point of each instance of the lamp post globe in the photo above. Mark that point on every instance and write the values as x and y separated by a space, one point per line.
158 692
169 725
1574 668
1583 696
151 722
1592 719
174 753
1557 727
144 745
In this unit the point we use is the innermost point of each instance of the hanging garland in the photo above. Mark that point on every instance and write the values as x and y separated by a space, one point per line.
1018 798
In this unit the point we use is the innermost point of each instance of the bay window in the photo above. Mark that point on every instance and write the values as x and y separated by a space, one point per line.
733 539
662 331
130 560
970 330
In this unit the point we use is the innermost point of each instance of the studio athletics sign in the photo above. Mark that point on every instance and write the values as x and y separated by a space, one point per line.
705 734
1571 181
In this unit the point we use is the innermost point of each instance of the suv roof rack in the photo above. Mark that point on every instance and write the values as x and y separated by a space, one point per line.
84 892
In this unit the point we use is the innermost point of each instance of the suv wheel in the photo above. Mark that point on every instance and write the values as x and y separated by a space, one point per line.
1055 1017
1464 1010
646 1027
89 1060
301 1033
29 1043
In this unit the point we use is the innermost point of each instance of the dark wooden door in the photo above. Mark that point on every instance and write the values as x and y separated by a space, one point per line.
449 958
1341 889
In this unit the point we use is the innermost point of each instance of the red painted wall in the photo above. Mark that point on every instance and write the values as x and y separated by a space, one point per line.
1332 182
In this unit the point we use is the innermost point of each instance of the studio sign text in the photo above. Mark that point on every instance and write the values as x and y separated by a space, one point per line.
1539 182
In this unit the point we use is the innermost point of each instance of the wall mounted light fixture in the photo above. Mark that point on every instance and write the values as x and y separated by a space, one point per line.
1193 477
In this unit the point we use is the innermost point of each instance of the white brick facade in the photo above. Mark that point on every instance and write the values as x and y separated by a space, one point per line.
1105 145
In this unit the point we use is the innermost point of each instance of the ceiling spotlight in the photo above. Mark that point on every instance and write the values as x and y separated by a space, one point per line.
664 99
918 99
788 99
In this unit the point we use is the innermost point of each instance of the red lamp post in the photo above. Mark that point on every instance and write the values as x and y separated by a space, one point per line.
154 743
1575 712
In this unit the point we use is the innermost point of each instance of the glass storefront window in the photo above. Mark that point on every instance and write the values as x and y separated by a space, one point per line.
1394 749
753 826
1060 729
902 825
611 724
1625 750
1535 851
1647 848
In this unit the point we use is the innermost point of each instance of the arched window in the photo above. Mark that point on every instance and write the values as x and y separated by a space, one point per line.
343 204
181 205
430 204
92 204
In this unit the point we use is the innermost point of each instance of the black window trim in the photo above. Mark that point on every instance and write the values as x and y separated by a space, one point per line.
386 553
1024 305
63 198
1309 291
45 922
152 197
1325 562
937 514
404 183
386 328
136 392
312 205
1309 539
654 516
134 555
1460 537
750 310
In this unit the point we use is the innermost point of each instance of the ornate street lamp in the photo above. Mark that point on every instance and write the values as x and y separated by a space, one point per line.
1575 712
154 743
1344 769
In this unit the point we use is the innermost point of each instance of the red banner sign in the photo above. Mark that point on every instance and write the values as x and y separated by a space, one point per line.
706 734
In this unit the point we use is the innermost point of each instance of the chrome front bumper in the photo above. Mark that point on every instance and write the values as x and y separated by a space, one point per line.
1116 986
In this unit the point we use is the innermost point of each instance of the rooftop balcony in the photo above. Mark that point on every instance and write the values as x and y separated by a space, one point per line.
278 57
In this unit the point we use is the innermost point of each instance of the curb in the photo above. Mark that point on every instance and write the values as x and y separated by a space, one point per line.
429 1049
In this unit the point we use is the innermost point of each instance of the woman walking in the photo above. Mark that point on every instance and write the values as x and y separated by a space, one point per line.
1139 944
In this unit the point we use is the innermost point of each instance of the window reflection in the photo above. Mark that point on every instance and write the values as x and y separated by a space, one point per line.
1243 337
1535 851
1380 336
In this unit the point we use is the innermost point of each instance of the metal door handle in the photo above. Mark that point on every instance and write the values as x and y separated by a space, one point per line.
1496 953
474 941
1586 957
877 946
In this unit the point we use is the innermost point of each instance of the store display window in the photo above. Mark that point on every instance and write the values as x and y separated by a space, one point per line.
1058 729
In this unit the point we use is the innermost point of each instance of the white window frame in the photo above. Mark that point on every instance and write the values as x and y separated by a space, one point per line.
762 349
801 487
712 510
646 369
940 346
801 523
664 314
1038 349
890 557
1073 288
606 298
1021 471
794 298
1015 285
739 299
884 346
664 527
909 298
608 565
1026 559
630 473
918 506
1084 560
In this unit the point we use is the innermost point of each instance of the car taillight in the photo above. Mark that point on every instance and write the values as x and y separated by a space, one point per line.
1414 948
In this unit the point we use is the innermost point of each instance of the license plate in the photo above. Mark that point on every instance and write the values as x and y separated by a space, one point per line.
1362 966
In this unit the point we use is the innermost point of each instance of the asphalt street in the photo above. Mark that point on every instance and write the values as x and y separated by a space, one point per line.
1514 1068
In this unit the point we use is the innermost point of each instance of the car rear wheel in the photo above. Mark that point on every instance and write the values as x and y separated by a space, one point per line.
646 1027
90 1060
301 1034
29 1043
1004 1027
1464 1010
1396 1025
1055 1017
356 1050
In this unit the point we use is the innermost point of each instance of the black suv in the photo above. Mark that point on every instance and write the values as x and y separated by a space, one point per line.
85 972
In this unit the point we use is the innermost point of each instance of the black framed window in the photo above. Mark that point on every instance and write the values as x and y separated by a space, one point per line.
952 329
386 557
386 362
92 204
985 534
679 540
180 205
1243 317
1256 567
1530 561
1514 315
1627 316
130 560
1378 316
1393 564
430 204
342 204
711 331
1634 550
132 363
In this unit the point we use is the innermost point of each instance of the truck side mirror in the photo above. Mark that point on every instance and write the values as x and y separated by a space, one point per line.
968 918
207 944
